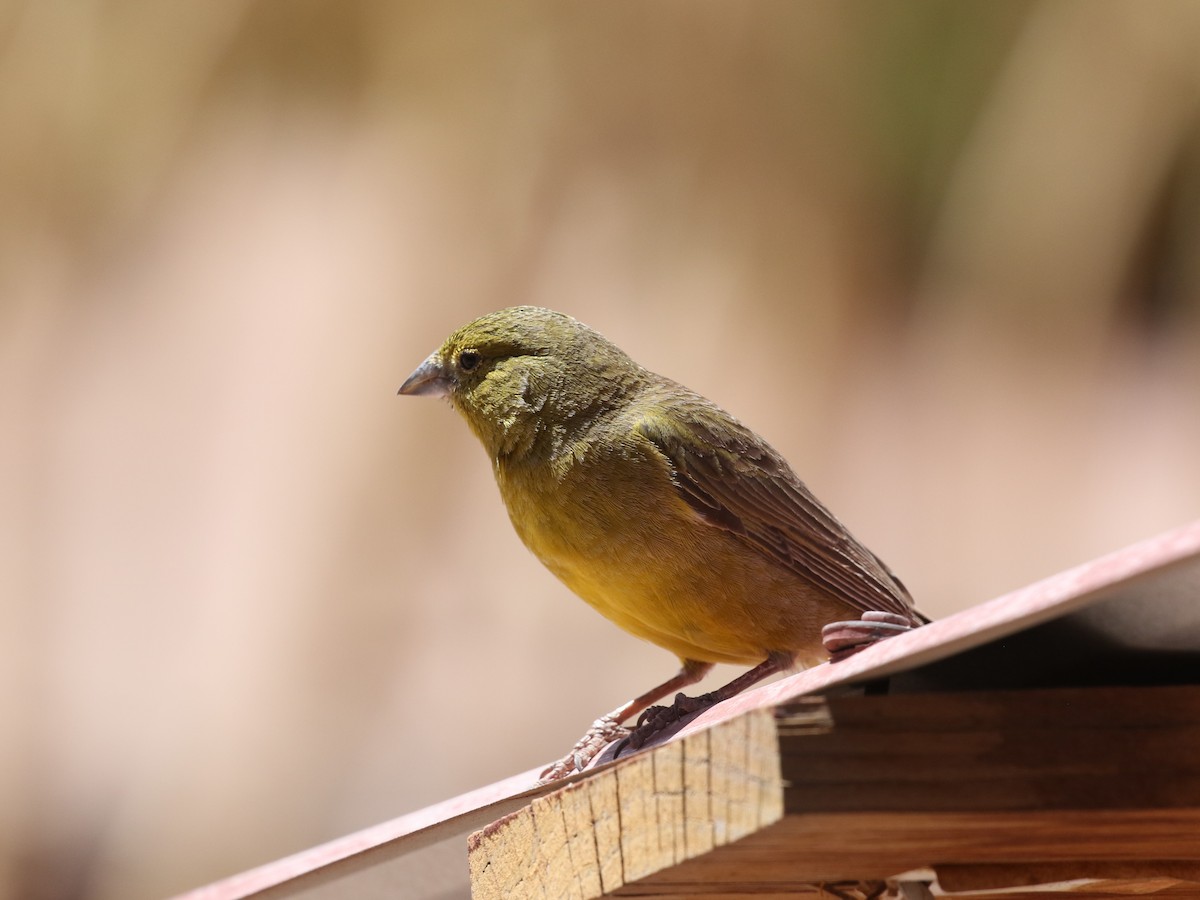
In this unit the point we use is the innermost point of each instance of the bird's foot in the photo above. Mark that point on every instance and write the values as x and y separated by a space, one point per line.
658 719
843 639
603 732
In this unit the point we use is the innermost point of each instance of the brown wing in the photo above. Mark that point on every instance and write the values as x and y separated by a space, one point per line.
736 481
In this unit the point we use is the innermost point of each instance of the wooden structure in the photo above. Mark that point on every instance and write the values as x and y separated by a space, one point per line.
1046 742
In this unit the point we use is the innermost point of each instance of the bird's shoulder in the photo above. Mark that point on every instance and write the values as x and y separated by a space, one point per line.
693 432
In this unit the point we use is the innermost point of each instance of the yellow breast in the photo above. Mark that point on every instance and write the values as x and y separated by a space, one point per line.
616 532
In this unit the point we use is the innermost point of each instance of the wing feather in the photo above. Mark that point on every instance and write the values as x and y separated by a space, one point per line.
734 480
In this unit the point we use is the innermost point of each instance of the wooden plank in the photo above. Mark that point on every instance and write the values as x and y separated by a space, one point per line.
606 822
647 814
980 877
502 858
1079 783
581 839
638 818
815 847
764 767
1075 890
1133 748
971 710
736 892
668 796
718 781
697 795
555 866
1096 891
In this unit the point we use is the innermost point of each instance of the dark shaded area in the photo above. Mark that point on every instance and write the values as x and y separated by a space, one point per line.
1144 636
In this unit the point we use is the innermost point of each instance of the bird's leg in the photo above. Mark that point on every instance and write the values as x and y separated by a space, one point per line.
608 728
843 639
657 718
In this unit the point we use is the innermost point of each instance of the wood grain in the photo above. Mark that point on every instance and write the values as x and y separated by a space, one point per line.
1099 787
811 848
647 814
1086 748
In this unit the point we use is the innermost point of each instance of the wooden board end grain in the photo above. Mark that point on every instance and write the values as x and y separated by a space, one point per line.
639 817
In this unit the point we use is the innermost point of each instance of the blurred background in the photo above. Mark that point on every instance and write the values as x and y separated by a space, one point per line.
945 256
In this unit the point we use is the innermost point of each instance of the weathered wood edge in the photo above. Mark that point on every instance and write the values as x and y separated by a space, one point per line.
370 846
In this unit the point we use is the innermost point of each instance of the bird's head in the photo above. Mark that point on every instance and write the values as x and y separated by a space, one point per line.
525 377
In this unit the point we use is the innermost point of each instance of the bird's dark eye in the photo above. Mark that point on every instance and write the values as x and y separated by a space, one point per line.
469 360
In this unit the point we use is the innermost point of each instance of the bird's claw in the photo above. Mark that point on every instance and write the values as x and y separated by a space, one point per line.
843 639
657 719
603 732
661 716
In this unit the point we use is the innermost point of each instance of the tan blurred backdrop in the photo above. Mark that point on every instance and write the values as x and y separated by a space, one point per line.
943 255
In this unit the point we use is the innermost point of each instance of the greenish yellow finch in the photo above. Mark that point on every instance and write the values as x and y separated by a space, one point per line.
659 509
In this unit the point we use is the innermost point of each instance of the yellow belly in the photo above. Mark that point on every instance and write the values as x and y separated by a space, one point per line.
644 559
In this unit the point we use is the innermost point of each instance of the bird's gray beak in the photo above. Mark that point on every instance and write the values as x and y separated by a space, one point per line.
429 378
